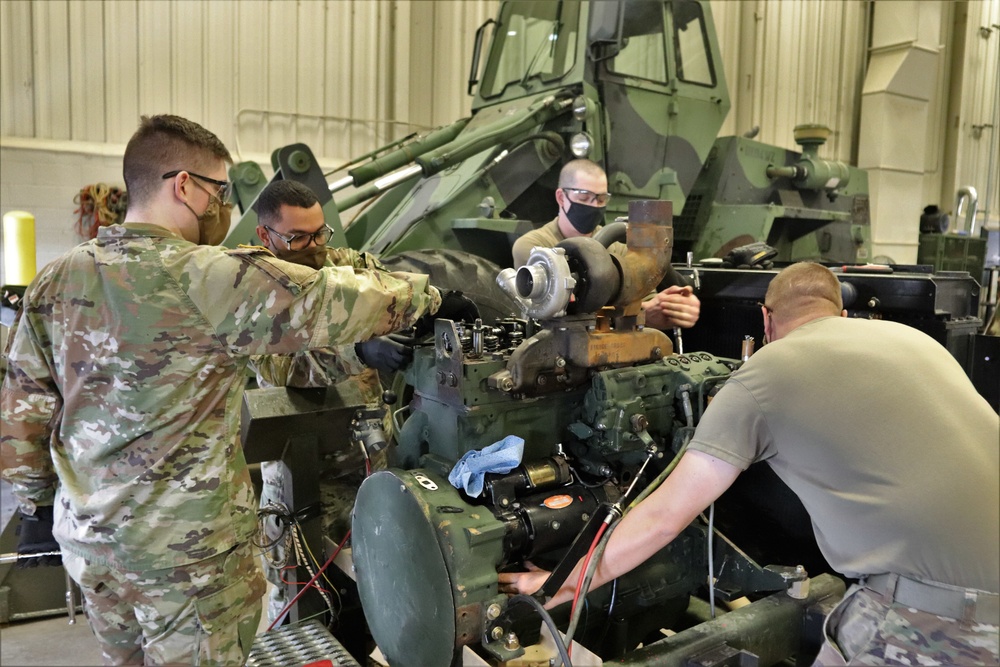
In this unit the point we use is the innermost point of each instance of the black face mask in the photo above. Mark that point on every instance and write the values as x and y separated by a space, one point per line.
584 218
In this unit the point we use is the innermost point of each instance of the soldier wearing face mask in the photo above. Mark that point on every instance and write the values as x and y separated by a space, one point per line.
120 406
582 196
292 226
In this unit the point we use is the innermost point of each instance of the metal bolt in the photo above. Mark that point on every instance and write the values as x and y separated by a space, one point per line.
493 613
496 632
555 525
560 362
510 642
504 502
657 353
639 422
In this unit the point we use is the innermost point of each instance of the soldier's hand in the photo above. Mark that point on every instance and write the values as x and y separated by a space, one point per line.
36 538
455 306
675 306
384 354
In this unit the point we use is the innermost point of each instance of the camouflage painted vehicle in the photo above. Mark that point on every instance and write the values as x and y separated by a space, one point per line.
637 87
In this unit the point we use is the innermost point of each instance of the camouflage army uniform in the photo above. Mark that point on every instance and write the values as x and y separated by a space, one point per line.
340 477
866 628
120 404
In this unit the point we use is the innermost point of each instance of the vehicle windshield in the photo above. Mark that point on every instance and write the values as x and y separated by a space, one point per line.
534 44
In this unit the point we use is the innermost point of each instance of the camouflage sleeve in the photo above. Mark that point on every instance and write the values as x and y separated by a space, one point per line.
316 368
258 304
30 404
351 257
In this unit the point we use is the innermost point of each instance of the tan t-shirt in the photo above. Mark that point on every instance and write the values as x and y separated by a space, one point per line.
880 433
549 236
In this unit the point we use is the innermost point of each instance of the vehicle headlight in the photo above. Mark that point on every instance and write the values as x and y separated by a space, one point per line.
580 107
580 144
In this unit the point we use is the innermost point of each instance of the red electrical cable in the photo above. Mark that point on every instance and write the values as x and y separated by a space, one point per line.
583 572
310 582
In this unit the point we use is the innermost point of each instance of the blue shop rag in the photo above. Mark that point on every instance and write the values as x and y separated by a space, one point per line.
500 457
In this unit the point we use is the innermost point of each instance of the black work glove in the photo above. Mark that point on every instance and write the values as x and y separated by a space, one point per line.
36 538
384 354
455 306
750 256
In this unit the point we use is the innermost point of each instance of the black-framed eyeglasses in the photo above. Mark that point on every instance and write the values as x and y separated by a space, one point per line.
587 197
224 192
302 241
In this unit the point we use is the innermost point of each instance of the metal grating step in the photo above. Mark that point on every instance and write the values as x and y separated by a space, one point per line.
297 645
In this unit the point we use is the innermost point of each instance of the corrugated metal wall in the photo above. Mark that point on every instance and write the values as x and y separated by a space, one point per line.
333 73
260 74
793 62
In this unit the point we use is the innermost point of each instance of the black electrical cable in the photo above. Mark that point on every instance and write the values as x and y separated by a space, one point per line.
563 655
588 577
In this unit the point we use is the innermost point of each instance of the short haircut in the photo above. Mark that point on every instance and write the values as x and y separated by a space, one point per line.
162 144
282 192
804 288
569 175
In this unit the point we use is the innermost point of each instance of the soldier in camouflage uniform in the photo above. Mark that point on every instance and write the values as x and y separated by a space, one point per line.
120 404
293 228
891 449
581 197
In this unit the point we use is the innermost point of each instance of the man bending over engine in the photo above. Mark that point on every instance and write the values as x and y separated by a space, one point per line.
879 431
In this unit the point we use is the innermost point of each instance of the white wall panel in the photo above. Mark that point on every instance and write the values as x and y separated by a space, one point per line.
50 39
218 62
87 70
156 71
365 86
790 62
281 74
250 68
308 101
121 69
260 74
17 84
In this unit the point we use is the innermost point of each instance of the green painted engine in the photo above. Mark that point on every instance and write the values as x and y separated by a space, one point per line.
603 405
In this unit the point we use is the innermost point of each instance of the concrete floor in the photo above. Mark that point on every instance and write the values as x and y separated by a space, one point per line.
50 641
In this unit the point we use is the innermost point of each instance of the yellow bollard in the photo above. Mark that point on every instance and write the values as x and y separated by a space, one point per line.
18 248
